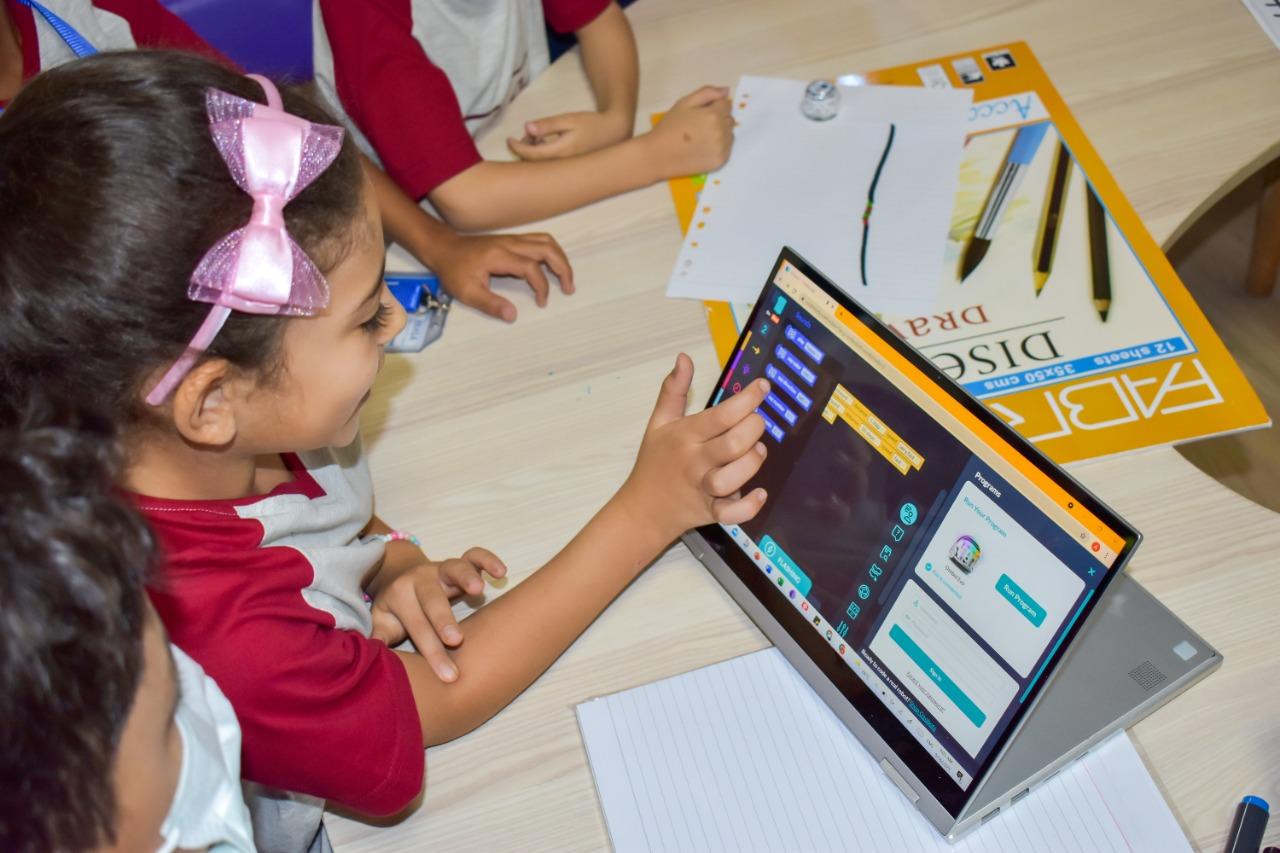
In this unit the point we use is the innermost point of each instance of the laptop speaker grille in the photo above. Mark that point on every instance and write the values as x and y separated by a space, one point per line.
1147 675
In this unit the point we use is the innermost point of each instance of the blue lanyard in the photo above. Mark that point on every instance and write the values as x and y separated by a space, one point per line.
79 44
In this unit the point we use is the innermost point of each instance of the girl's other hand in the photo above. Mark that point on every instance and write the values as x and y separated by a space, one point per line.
416 604
691 468
695 135
466 265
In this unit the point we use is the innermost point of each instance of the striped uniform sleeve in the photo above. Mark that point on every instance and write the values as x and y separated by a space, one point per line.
400 100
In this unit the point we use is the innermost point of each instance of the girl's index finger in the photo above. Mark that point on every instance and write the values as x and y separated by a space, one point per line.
486 561
725 414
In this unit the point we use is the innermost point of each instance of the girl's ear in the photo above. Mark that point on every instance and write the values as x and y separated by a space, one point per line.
202 410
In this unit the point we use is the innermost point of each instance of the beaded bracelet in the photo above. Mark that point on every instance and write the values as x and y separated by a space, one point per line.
397 536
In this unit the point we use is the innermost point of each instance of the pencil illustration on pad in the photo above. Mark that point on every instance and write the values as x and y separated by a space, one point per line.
1021 152
1099 261
871 201
1051 221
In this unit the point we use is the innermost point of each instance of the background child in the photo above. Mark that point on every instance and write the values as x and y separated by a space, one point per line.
30 43
113 193
419 78
464 264
110 740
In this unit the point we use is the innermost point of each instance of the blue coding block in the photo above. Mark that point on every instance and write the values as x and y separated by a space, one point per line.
781 408
788 358
783 381
805 344
770 427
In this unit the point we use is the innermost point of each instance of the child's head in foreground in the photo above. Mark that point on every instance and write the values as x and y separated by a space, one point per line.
112 190
109 740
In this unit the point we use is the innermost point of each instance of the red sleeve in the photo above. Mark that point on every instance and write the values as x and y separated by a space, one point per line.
569 16
322 711
24 24
403 103
155 26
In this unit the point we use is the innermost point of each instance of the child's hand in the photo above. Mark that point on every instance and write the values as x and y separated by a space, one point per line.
416 604
568 134
465 265
690 468
695 135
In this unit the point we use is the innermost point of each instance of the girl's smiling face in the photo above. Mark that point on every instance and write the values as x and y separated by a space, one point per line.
329 361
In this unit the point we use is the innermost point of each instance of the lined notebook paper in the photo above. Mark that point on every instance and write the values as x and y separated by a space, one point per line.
743 755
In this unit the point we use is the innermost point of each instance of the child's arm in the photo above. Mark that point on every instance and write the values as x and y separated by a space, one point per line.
465 264
613 70
408 110
688 473
412 596
694 136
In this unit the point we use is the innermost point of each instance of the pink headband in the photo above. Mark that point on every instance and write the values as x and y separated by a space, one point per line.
272 155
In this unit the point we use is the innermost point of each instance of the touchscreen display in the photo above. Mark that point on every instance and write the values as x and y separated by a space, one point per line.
940 564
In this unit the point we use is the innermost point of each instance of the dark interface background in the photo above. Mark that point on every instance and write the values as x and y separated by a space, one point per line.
834 500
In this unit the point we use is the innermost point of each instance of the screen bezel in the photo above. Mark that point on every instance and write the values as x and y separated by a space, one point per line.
911 755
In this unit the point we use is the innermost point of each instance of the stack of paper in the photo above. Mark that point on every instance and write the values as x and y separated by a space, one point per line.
744 756
883 171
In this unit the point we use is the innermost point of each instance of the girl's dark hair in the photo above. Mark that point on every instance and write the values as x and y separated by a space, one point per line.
111 190
72 610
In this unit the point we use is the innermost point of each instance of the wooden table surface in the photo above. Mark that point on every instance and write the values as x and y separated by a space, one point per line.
511 437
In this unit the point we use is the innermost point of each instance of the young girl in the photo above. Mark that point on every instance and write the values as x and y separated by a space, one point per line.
197 256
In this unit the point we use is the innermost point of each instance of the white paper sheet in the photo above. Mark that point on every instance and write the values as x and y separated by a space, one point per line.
794 181
744 756
1267 14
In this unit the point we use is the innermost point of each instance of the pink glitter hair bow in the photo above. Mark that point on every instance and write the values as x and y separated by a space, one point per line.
272 155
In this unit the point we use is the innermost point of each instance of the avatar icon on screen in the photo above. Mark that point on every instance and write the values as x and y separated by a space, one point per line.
965 554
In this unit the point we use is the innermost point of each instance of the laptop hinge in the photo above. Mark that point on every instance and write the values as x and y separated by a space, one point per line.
896 778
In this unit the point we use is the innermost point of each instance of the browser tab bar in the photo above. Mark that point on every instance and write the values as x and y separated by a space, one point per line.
1101 535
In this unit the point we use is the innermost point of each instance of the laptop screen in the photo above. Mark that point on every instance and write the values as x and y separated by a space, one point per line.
927 558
